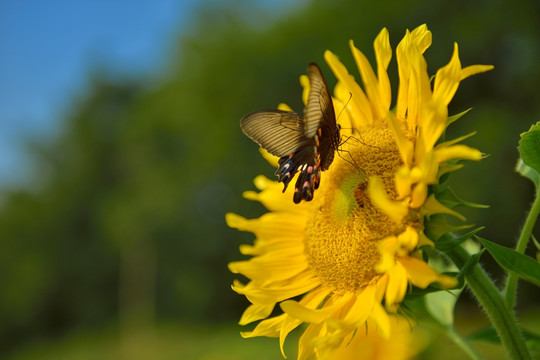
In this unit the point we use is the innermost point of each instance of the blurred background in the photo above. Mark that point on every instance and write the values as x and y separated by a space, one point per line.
120 153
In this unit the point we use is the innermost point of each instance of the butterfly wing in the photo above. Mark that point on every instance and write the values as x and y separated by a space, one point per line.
279 132
319 109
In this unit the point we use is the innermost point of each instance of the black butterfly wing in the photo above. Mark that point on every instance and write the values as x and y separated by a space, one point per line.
319 109
281 133
304 144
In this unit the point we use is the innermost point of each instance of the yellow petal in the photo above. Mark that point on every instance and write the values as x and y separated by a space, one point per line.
396 210
447 79
421 37
269 328
418 195
387 248
359 101
421 274
311 300
256 312
305 344
269 225
274 268
419 87
284 107
272 160
405 146
381 318
404 76
299 311
443 154
371 84
267 293
361 308
431 126
428 168
408 240
474 69
344 110
271 198
383 54
397 285
306 86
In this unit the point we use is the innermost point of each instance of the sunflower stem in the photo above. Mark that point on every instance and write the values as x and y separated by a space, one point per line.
512 279
491 300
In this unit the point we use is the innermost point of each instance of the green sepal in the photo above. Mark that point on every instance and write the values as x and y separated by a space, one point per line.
448 198
469 266
523 266
437 225
449 241
453 118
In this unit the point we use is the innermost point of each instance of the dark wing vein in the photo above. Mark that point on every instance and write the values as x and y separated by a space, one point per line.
319 105
278 132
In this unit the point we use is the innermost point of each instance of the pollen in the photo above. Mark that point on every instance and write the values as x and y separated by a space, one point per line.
344 228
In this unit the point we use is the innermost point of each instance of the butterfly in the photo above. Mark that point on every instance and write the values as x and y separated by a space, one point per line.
303 143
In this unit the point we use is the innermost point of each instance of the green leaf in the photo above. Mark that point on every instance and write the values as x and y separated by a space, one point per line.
449 241
529 150
510 260
528 172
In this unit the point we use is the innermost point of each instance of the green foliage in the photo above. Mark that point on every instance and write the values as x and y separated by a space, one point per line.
529 147
523 266
529 151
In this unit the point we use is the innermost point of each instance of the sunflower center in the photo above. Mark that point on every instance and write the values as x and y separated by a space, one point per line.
344 227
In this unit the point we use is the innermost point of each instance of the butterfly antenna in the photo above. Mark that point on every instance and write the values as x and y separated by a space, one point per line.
353 129
344 107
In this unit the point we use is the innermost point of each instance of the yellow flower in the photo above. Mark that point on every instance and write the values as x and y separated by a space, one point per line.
356 246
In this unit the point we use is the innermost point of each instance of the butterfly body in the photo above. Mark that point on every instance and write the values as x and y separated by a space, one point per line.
303 143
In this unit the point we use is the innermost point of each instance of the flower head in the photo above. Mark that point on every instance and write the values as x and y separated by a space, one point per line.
354 251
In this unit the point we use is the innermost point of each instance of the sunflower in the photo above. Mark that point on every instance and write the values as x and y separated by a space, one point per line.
348 257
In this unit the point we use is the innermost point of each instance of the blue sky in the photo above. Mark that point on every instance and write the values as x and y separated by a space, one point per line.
48 47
